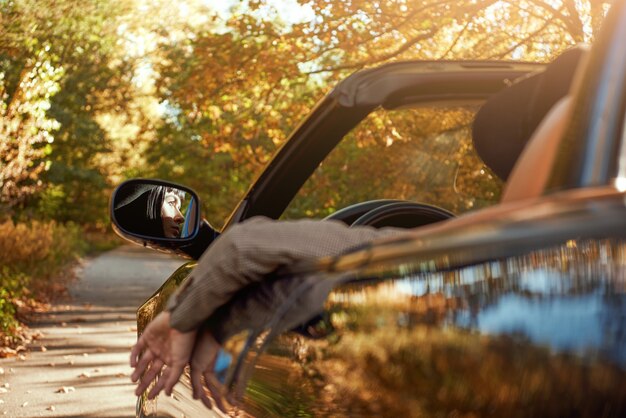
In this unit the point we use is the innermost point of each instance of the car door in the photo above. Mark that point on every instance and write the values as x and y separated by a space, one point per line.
522 315
518 311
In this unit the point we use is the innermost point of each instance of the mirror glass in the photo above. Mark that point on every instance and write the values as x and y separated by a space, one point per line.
155 209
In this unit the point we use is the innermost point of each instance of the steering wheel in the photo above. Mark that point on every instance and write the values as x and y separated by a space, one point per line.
390 212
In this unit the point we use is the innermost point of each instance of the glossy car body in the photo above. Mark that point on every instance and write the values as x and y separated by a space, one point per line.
520 313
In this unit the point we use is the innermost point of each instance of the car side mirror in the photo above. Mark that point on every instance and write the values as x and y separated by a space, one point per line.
155 211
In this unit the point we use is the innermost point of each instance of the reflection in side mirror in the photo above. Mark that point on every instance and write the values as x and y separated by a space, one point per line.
154 209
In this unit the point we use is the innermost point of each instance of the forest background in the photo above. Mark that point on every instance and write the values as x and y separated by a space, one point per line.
95 92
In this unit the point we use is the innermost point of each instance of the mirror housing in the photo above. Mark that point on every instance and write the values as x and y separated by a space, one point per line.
160 214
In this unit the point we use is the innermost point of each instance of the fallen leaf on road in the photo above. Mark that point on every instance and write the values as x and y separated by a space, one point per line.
66 389
50 408
7 352
42 349
6 385
121 375
84 375
51 364
25 404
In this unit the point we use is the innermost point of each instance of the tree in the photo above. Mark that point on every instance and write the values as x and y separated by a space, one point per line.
91 95
61 68
25 129
359 33
240 87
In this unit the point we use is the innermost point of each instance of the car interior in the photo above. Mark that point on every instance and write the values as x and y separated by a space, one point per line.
515 132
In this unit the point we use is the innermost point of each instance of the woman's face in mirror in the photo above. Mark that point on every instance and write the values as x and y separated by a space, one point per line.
171 216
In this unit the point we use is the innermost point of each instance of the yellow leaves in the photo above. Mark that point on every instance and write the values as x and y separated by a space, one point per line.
223 147
214 112
276 135
21 242
231 107
24 127
249 124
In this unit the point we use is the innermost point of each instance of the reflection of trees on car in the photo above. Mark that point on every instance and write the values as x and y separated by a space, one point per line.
454 371
411 335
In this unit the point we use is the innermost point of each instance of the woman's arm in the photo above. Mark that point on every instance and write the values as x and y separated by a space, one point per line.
249 251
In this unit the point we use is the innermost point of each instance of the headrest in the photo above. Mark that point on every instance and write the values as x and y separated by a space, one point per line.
508 119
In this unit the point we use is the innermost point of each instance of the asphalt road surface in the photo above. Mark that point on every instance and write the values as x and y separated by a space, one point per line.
79 367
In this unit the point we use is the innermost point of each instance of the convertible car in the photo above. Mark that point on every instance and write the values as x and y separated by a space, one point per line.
517 308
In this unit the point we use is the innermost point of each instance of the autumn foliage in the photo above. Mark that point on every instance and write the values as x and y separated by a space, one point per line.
36 263
201 93
205 95
32 257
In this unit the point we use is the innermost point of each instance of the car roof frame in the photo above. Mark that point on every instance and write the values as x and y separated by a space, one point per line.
389 86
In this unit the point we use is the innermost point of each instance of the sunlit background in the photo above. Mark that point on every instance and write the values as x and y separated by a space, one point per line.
204 92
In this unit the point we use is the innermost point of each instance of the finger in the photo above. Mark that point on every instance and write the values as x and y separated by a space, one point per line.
202 393
136 351
198 388
155 368
158 386
206 400
196 382
149 376
172 378
141 366
214 389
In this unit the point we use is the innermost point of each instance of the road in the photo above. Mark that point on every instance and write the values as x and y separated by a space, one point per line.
79 367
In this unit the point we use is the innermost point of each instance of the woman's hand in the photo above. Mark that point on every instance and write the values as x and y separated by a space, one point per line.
203 376
160 348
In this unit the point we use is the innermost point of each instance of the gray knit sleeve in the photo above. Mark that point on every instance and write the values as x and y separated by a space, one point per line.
249 251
